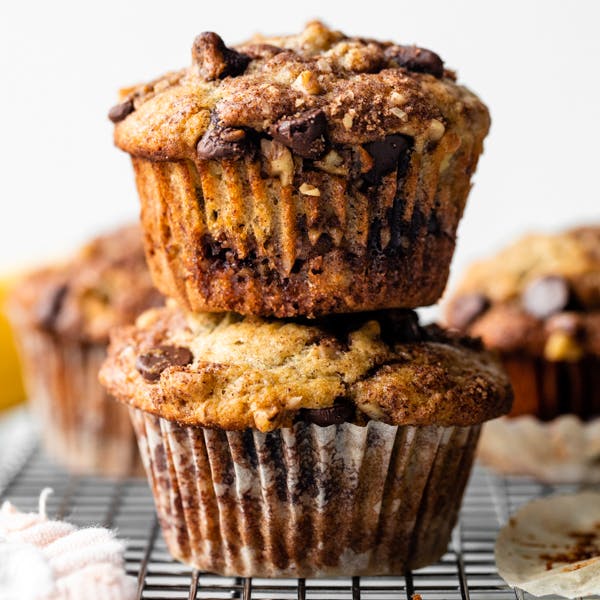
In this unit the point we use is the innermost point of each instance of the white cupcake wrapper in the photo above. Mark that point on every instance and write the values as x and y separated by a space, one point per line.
307 501
82 427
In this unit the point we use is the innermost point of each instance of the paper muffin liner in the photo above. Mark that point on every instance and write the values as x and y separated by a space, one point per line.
548 389
307 501
223 235
82 427
564 450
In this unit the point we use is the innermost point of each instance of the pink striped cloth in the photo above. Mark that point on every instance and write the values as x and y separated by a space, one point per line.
41 559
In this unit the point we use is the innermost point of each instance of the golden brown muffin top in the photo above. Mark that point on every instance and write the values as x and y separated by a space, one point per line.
233 372
540 295
104 285
310 92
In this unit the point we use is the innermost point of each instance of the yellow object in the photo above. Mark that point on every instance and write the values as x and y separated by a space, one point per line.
560 346
11 384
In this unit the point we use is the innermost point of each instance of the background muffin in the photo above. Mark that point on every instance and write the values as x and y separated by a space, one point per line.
302 175
294 448
62 316
538 304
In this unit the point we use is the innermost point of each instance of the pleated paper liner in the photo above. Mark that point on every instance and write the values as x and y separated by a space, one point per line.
307 501
547 389
82 427
224 235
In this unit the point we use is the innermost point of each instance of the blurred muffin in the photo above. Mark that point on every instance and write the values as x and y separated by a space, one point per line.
537 303
302 175
304 448
62 315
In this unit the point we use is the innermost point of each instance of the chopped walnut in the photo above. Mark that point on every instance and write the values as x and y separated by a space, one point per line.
332 163
399 113
279 161
309 190
308 83
436 130
397 99
348 120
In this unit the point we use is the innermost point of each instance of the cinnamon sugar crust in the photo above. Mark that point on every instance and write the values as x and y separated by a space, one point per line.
105 284
249 372
367 89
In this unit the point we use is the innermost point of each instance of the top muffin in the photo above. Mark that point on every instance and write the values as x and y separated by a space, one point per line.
302 175
540 296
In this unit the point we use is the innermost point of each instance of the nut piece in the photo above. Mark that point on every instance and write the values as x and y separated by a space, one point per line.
436 130
215 60
332 163
279 161
348 121
308 83
309 190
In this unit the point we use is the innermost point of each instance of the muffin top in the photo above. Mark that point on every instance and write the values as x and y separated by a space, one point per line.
234 372
105 284
540 295
310 92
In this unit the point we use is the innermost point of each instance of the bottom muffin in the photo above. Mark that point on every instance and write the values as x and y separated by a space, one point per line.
304 448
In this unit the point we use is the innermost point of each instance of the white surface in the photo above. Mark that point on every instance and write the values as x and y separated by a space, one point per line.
533 62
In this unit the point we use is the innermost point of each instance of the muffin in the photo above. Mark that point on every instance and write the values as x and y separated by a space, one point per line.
299 448
537 303
61 316
303 175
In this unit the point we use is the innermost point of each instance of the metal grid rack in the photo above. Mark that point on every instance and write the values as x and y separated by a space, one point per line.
466 572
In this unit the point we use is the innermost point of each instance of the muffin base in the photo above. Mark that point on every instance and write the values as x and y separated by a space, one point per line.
82 427
307 501
222 236
548 389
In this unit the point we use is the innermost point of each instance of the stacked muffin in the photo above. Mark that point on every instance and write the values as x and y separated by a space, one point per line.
537 303
300 195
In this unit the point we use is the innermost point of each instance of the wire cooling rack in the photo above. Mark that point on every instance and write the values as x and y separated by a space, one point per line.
466 572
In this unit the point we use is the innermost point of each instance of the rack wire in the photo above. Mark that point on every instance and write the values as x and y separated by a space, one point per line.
466 572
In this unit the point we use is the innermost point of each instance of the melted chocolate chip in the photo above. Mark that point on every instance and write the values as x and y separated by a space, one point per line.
222 142
465 309
546 296
48 310
119 111
215 59
304 134
152 363
419 60
332 415
387 154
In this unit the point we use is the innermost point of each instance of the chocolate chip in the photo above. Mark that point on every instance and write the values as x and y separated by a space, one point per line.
386 155
49 307
547 295
152 363
416 59
222 142
215 59
332 415
119 111
304 134
465 309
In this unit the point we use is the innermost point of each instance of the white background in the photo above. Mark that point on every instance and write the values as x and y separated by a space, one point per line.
536 65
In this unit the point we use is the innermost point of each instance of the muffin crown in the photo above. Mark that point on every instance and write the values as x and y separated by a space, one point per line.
106 284
237 372
310 91
538 295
